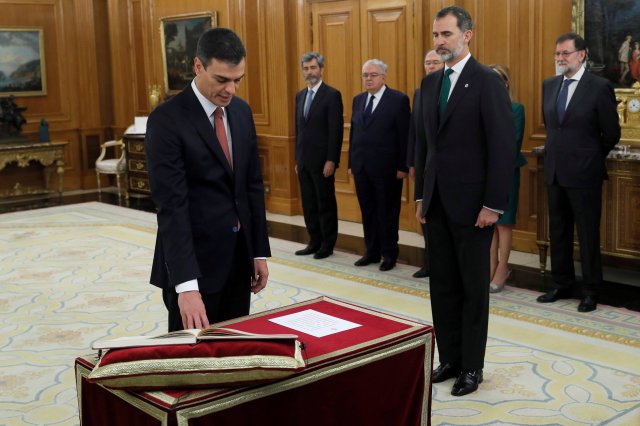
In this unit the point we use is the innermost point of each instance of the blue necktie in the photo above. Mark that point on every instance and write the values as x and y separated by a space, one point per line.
561 104
369 109
307 103
444 92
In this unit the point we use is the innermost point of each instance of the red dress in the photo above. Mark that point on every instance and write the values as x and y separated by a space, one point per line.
634 65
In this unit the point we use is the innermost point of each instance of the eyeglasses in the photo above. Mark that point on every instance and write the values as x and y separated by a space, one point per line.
428 63
371 74
563 54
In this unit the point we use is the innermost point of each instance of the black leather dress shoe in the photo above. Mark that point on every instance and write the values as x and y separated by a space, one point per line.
421 273
444 372
555 294
467 382
323 253
387 265
307 250
366 260
588 304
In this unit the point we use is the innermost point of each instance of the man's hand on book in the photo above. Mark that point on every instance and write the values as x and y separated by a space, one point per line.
192 310
259 281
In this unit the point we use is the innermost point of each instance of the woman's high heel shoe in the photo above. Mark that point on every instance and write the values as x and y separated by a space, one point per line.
497 288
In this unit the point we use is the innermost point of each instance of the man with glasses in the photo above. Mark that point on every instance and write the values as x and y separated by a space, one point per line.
378 162
582 125
432 62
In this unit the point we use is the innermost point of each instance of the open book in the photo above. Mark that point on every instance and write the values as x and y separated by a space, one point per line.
189 336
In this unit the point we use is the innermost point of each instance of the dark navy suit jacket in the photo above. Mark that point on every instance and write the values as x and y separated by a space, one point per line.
379 145
199 198
319 136
576 149
470 151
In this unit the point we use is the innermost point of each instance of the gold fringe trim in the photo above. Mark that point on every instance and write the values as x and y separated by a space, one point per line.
128 397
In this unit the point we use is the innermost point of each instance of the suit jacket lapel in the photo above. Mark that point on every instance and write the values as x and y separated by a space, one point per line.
360 104
203 126
554 91
581 90
317 98
380 107
461 88
431 109
300 107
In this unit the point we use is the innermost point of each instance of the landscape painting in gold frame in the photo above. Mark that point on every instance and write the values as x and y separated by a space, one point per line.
22 67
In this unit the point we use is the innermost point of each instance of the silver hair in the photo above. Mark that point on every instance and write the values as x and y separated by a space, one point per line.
378 63
310 56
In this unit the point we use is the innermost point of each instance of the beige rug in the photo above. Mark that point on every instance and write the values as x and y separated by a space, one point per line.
74 274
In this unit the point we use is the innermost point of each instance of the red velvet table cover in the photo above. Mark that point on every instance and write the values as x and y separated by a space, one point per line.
376 374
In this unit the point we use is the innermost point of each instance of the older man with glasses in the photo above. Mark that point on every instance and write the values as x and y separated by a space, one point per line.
582 126
377 161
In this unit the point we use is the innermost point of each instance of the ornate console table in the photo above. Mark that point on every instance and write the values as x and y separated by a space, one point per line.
620 223
49 154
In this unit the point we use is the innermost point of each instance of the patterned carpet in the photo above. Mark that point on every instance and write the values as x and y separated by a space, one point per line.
74 274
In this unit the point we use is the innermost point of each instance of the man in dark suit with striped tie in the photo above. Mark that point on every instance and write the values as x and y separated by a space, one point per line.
378 162
319 131
582 126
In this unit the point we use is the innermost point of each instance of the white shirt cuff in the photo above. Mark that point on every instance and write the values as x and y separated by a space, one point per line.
494 210
191 285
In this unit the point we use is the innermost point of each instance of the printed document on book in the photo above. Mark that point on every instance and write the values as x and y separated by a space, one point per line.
315 323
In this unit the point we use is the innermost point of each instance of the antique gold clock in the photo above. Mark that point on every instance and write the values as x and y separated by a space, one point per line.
629 114
633 111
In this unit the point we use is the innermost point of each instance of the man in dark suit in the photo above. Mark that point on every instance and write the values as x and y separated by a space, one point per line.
467 130
319 130
582 126
378 162
205 179
432 62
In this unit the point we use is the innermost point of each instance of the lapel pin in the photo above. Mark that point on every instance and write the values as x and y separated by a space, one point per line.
466 85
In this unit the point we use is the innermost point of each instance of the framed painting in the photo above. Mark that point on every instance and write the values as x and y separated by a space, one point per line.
179 36
612 33
22 66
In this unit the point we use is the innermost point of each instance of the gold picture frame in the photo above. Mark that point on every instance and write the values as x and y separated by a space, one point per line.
22 71
605 66
179 37
611 33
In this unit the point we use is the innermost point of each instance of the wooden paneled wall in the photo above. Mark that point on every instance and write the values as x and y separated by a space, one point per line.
102 57
79 100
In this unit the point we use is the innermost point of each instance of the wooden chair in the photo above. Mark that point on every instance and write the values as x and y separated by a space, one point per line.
112 166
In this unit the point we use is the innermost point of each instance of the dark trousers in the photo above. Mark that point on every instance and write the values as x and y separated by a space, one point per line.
581 207
459 285
379 199
231 302
319 206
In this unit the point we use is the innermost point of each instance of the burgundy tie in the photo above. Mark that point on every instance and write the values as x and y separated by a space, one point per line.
221 133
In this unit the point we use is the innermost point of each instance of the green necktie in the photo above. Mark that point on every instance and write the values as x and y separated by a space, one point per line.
444 92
